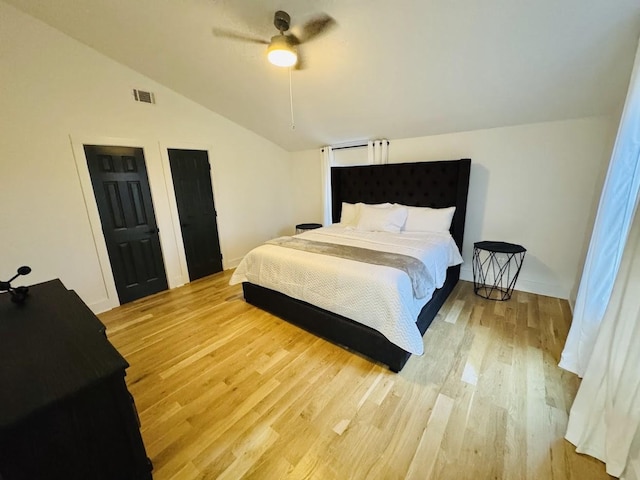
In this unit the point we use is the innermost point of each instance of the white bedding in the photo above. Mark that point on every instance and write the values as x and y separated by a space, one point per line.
377 296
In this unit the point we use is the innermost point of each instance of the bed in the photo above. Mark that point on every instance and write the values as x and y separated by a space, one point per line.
422 184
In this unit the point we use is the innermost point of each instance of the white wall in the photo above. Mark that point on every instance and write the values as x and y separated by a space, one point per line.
531 184
306 183
345 157
56 94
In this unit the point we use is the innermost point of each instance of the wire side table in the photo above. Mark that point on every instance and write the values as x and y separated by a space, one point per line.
496 266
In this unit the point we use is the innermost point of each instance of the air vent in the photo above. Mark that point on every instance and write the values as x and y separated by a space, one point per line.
144 97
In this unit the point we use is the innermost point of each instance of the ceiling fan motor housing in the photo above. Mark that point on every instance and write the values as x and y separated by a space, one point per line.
282 21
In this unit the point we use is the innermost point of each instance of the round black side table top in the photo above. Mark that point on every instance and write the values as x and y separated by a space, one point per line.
500 247
307 226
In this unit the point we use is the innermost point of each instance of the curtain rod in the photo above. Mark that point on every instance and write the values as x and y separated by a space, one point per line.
359 145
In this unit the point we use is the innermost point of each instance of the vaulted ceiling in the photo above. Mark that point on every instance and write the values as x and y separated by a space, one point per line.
392 69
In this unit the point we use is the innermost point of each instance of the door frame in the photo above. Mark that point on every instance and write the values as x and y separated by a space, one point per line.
154 171
173 204
164 200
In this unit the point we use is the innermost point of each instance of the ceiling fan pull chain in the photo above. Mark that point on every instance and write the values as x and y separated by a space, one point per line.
293 123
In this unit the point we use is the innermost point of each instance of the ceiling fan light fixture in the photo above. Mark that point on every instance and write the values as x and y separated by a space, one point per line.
281 52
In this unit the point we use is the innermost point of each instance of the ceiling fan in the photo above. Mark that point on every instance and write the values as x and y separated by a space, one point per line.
282 49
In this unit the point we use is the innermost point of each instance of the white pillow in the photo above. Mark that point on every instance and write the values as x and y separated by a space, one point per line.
351 212
425 219
349 215
386 219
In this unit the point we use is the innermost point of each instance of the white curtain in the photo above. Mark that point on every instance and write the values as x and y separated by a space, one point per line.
378 152
611 228
605 417
326 163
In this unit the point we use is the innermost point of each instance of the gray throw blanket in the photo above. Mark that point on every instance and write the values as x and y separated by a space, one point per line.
413 267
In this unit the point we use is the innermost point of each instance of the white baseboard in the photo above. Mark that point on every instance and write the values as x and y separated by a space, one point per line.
106 304
525 285
178 282
102 306
233 263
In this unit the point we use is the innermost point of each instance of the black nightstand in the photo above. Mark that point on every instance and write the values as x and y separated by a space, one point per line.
496 266
303 227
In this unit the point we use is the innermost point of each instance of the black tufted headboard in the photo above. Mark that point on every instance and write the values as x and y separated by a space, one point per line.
421 184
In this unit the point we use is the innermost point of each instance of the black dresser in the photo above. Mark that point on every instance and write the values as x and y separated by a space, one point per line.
65 411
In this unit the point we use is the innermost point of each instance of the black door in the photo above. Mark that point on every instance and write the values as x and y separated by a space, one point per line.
191 174
121 187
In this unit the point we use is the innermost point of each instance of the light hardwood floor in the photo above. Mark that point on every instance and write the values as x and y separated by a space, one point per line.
225 390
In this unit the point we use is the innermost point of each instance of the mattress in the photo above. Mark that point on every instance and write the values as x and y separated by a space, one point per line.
380 297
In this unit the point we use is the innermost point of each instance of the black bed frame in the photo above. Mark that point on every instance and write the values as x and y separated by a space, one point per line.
423 184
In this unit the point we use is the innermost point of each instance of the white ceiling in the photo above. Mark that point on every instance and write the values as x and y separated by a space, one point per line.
391 69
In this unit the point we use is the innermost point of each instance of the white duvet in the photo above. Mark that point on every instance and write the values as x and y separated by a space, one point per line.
377 296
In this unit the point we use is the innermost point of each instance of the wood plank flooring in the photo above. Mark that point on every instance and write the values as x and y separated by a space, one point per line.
225 390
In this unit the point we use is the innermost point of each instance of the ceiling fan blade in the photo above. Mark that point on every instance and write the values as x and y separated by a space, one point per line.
293 39
301 64
316 26
220 32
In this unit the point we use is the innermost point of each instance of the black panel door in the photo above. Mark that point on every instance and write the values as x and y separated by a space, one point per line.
191 174
121 187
